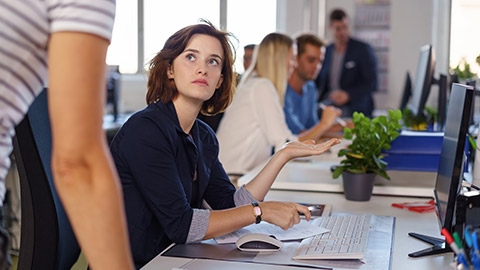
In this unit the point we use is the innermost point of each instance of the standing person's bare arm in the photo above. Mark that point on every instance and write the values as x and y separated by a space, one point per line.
84 173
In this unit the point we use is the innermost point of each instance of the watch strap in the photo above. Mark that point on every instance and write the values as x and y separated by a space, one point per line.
257 212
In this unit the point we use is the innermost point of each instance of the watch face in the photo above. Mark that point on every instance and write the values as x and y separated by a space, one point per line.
257 210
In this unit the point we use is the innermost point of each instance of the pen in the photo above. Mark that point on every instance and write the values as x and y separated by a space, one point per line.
476 252
456 250
338 119
456 237
449 239
468 237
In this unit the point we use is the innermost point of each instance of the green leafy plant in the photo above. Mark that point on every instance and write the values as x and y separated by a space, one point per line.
463 70
420 121
369 137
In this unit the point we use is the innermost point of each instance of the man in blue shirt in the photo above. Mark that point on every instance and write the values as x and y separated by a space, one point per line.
301 96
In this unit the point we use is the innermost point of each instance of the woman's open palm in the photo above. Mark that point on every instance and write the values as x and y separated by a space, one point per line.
307 148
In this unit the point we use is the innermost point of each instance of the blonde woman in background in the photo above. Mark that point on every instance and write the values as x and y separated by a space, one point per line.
254 125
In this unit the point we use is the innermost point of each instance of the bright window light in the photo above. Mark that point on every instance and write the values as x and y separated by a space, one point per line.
123 50
464 34
163 18
250 21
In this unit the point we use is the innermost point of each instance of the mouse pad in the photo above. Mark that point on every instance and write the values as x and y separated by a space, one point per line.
378 254
209 249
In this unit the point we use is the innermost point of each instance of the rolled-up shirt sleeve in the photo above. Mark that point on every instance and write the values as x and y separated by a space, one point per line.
95 17
199 225
242 197
201 217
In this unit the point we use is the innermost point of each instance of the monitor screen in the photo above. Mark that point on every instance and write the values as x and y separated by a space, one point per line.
442 102
450 168
423 80
407 91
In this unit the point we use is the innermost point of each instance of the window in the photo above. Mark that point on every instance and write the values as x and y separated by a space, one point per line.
161 19
250 21
164 18
464 37
123 50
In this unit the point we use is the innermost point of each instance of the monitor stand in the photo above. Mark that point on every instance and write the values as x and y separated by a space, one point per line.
438 246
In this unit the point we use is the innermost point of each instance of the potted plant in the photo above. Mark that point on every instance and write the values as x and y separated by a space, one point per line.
363 159
463 70
422 121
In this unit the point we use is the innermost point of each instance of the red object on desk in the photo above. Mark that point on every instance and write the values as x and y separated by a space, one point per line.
420 207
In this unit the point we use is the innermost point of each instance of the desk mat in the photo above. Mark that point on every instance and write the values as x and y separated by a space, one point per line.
378 254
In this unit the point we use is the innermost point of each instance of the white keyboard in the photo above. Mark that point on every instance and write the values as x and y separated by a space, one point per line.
347 239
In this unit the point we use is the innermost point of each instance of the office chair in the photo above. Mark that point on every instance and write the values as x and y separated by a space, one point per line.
47 240
212 121
113 90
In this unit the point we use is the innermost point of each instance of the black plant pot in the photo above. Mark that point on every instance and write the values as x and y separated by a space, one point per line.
358 187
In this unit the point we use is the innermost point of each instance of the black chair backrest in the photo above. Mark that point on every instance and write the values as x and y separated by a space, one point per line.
212 121
47 240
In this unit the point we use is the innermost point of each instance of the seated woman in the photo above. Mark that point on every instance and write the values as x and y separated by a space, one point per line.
168 160
254 126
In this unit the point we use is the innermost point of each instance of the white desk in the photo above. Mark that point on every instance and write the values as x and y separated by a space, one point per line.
313 174
406 221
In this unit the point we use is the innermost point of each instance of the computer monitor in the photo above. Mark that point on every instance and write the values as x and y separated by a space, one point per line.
442 101
450 167
472 82
113 90
423 80
407 91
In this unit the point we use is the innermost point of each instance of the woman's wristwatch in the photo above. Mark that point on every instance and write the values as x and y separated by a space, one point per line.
257 212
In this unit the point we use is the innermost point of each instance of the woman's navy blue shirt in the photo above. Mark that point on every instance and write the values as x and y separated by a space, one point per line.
157 162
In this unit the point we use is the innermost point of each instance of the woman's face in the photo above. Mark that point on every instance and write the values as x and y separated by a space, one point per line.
197 70
291 61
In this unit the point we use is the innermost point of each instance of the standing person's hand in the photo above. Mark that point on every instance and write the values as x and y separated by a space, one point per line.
339 97
283 214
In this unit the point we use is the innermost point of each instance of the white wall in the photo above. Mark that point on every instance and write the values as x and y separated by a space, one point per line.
413 24
299 16
411 28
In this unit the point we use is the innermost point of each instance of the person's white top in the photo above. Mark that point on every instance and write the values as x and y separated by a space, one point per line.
252 126
25 29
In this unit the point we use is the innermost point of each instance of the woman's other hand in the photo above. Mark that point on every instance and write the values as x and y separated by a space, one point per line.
283 214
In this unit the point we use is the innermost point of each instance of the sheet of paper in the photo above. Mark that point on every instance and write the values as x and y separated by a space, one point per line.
299 231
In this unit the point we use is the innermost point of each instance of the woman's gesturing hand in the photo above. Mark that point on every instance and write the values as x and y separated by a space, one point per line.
307 148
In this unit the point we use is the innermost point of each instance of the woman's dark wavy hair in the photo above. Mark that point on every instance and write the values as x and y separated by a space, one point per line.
161 88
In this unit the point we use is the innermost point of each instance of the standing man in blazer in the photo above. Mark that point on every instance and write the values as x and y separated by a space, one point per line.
348 76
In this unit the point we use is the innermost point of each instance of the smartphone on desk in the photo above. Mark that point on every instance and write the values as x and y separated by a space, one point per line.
317 210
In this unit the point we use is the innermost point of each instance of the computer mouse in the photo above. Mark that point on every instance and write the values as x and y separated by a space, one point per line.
256 242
